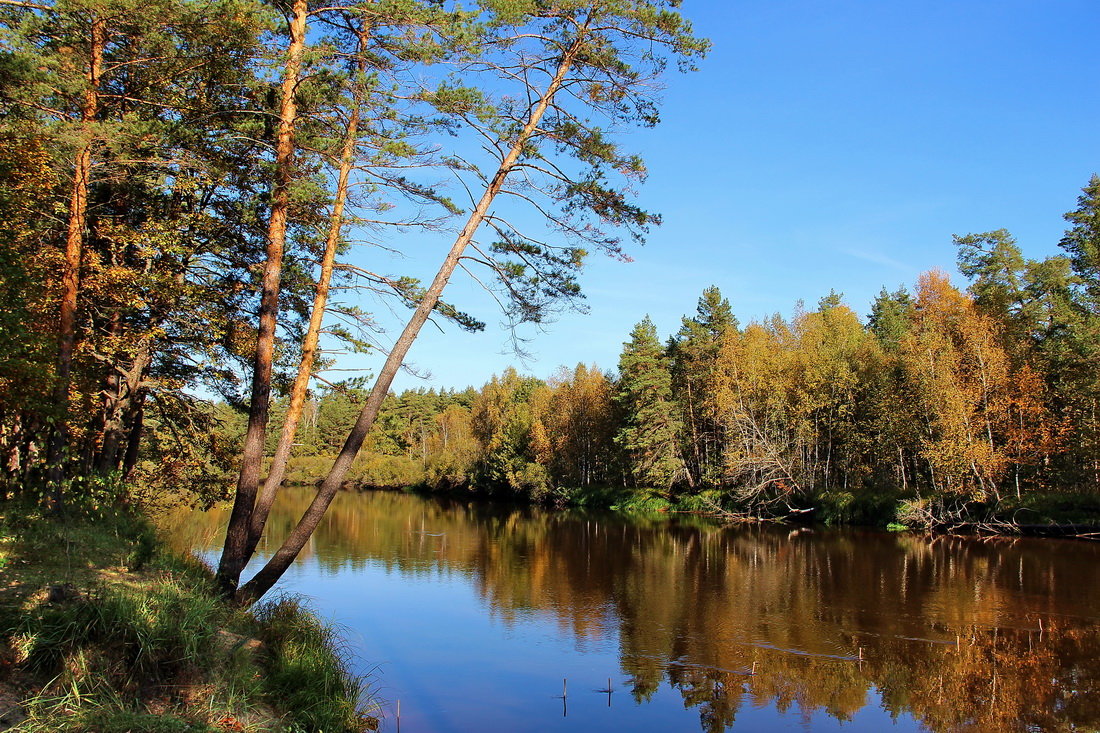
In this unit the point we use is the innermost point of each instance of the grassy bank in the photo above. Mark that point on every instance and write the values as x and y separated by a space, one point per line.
102 630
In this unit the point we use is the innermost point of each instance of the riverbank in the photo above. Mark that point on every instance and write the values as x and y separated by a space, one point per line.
103 629
1047 514
1042 515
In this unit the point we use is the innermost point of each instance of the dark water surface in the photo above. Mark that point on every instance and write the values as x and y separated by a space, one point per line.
472 614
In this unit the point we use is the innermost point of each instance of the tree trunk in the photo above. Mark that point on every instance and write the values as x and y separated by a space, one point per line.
128 384
277 471
105 425
296 540
74 250
133 440
234 555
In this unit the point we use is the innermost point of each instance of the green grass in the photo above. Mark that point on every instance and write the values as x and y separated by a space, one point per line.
306 667
37 551
137 639
643 503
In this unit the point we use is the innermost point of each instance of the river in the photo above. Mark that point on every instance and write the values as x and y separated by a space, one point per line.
472 615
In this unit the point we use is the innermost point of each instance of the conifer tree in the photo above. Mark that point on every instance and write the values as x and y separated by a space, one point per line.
650 436
694 351
1082 241
1079 346
560 64
134 101
890 317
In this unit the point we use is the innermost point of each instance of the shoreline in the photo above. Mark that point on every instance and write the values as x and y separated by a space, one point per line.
106 629
1063 516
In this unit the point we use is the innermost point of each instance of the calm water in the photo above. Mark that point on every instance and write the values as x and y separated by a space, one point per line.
471 615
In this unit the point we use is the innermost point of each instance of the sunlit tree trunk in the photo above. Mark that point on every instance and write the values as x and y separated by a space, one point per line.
74 248
234 555
298 537
298 391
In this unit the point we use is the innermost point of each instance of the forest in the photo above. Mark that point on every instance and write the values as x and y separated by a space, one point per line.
960 405
192 197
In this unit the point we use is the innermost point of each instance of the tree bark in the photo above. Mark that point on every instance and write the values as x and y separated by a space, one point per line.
120 407
299 536
234 555
298 391
74 251
133 440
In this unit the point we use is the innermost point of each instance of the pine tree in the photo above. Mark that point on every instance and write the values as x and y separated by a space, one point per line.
650 433
135 102
694 350
1082 241
567 63
890 317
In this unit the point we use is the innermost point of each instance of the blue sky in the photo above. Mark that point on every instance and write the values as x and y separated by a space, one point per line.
824 145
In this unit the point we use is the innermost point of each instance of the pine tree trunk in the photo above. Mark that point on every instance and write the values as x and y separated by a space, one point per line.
74 250
298 392
234 555
299 536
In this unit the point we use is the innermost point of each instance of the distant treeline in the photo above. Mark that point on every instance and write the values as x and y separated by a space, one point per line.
956 403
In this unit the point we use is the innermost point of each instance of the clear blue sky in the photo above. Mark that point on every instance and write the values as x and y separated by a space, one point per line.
827 145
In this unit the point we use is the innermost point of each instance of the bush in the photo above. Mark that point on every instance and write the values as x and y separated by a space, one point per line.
845 507
387 472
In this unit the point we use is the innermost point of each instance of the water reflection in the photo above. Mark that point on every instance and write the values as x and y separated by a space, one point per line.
958 634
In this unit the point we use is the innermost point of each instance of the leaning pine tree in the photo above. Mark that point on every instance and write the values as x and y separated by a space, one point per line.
553 66
375 147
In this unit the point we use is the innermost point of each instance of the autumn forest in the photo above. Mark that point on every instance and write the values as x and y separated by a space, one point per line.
183 189
960 405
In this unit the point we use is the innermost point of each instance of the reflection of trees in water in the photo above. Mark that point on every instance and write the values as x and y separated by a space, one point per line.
948 628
